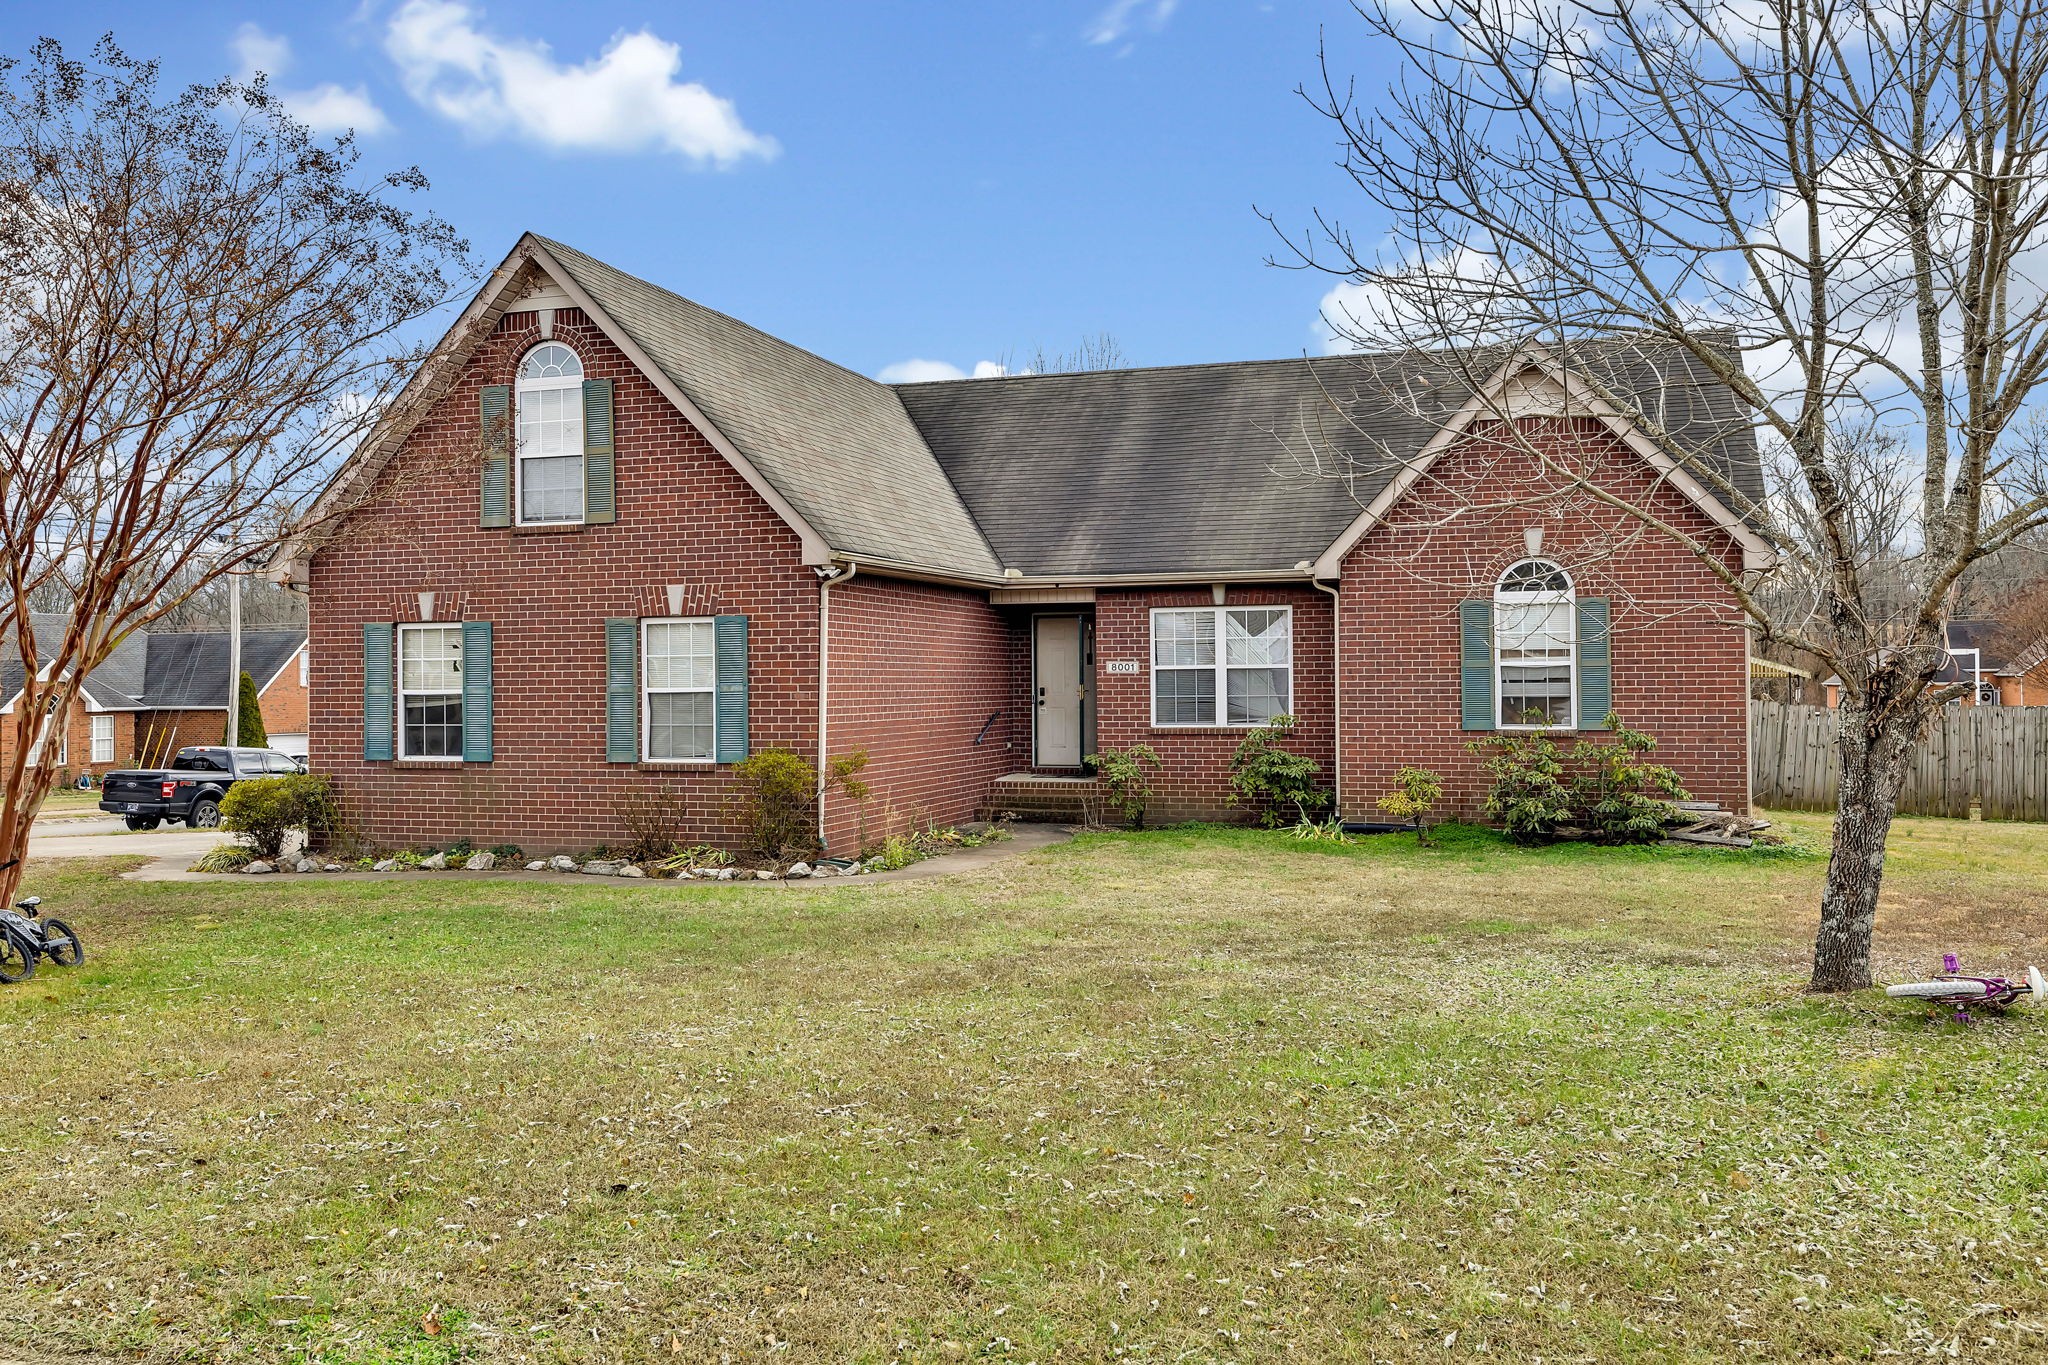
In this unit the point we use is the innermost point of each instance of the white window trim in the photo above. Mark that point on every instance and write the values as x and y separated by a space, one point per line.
1571 661
400 694
38 754
97 721
305 666
647 693
1222 668
521 386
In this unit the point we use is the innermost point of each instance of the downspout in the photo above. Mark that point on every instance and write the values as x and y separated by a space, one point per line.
829 577
1336 689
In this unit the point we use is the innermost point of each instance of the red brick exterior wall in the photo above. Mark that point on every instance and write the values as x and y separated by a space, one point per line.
1195 778
160 734
78 735
1680 661
917 670
685 516
284 701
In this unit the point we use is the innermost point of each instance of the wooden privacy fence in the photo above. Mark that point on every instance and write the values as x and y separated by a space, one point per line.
1994 755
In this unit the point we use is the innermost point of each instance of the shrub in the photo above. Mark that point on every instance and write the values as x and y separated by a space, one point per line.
1529 798
1330 831
1127 775
225 858
777 800
1621 798
265 810
1266 778
249 715
652 819
1415 792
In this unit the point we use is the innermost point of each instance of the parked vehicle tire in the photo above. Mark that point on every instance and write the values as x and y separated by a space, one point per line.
72 953
205 814
17 962
144 821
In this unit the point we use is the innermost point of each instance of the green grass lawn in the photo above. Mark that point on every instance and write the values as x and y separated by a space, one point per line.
1187 1095
71 801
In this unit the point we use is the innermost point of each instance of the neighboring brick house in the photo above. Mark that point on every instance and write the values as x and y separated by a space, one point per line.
1978 655
159 691
625 542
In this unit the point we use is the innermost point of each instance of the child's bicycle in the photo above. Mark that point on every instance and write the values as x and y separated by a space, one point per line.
25 936
1964 991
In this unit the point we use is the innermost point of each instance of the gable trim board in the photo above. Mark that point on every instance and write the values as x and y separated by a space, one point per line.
1558 393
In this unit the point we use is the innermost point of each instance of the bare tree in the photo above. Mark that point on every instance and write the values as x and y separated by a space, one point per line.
1096 351
201 310
1837 209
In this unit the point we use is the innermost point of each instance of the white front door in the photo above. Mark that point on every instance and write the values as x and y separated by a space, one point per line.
1056 668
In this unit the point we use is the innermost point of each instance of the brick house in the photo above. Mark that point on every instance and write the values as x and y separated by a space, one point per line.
160 690
1978 654
625 541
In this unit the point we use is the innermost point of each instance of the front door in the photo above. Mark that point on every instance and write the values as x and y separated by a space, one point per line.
1061 688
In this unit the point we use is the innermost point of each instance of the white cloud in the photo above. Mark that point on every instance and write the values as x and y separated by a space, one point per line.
624 100
1121 16
326 107
925 371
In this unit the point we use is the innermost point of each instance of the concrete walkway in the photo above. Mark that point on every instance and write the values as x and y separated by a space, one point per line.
174 867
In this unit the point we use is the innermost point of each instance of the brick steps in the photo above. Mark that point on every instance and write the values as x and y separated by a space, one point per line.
1042 798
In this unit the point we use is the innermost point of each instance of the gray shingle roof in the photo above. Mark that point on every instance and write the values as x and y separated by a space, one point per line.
836 444
161 671
1212 468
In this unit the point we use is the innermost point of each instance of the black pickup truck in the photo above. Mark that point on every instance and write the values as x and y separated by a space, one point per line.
190 789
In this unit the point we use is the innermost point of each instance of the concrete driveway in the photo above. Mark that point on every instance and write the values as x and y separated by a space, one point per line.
111 838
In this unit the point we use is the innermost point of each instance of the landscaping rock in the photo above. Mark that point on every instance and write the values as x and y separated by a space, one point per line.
331 867
540 866
726 874
305 865
562 863
798 870
437 863
763 875
631 871
258 868
481 862
385 865
599 868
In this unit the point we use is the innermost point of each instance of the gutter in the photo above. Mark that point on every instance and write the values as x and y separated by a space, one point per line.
829 577
1336 687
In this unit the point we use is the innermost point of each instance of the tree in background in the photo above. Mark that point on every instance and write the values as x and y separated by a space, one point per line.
202 310
249 729
1835 209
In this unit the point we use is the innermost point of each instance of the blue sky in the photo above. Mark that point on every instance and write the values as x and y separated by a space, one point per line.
880 182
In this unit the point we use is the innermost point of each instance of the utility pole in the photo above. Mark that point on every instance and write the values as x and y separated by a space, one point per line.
234 730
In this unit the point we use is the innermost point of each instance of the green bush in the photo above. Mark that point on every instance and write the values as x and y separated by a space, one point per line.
249 729
1529 797
265 810
1127 774
1621 798
1266 778
777 801
1416 791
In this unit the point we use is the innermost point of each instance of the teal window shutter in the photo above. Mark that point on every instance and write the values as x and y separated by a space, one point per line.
476 691
622 690
1596 669
494 412
600 495
377 684
1475 664
730 637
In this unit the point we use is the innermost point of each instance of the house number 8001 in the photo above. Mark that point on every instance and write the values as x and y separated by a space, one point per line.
1120 666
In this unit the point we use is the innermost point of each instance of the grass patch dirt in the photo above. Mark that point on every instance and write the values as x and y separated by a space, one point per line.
1193 1094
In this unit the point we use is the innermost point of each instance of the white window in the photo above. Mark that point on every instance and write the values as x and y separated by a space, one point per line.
1535 634
103 739
678 683
430 691
305 667
1252 671
550 435
51 736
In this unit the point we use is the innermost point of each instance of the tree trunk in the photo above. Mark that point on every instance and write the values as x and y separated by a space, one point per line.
1873 751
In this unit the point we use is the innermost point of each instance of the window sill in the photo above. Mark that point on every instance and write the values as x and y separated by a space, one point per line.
669 765
1210 729
550 528
430 764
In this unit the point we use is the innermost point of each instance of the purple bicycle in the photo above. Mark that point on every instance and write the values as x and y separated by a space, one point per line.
1954 988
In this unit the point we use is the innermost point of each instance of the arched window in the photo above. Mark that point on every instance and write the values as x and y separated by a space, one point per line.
550 449
1535 641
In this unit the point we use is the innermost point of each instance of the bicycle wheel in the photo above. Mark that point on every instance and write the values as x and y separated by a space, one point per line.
1937 990
17 960
68 954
